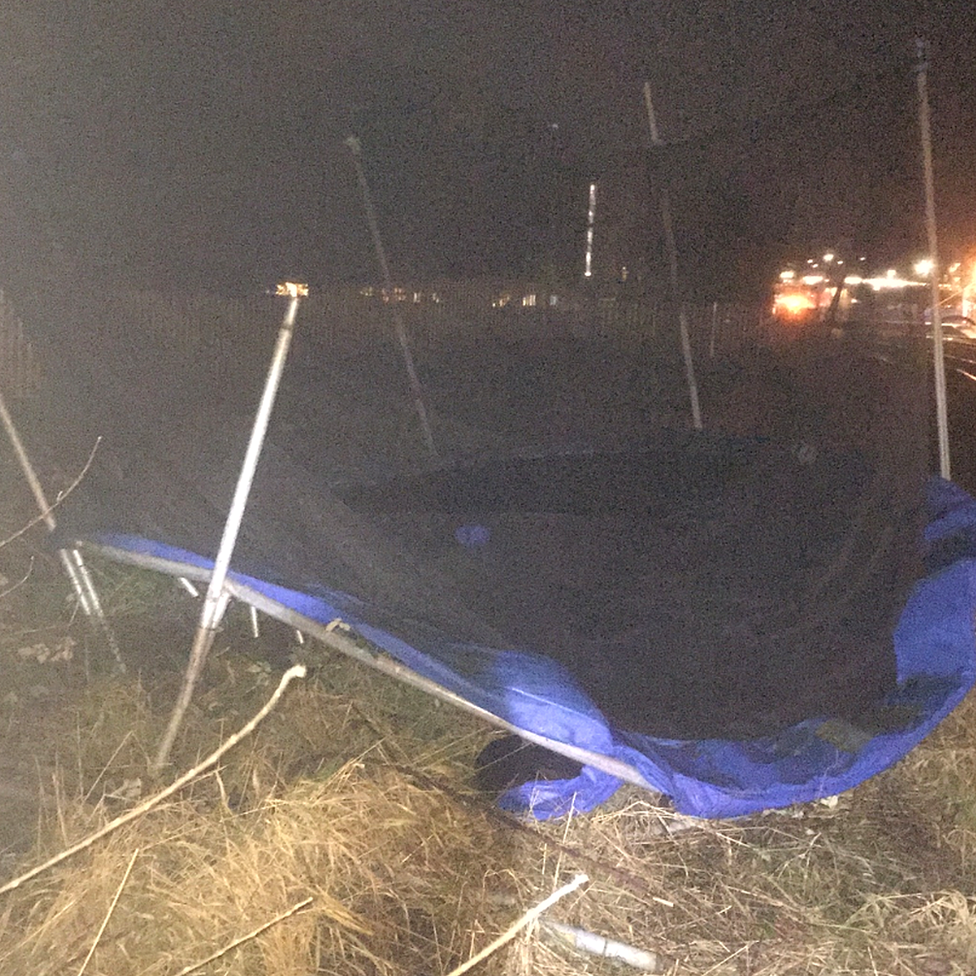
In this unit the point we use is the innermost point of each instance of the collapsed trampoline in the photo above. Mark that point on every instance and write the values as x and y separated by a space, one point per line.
708 775
725 620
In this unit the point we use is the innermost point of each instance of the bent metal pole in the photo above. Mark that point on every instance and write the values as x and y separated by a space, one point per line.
71 560
215 601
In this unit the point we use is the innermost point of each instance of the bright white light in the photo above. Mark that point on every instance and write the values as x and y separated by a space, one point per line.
828 257
890 282
924 267
590 221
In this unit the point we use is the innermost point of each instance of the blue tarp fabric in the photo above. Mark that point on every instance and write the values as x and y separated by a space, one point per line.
822 756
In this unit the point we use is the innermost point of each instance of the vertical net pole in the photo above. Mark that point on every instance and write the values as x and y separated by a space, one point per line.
938 357
667 221
74 565
416 390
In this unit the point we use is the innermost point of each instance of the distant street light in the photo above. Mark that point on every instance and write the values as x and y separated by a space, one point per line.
590 223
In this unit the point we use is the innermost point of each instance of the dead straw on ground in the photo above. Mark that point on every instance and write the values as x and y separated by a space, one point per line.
345 836
354 802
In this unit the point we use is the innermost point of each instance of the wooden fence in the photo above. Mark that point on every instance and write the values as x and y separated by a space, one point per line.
344 317
232 337
152 327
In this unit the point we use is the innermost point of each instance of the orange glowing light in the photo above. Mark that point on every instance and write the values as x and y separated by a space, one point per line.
793 304
293 289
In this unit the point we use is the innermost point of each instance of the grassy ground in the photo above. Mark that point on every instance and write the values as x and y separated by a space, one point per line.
345 835
356 793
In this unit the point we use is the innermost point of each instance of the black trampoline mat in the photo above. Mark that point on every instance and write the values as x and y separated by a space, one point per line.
703 587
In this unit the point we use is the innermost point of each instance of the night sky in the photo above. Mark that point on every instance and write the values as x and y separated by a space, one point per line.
182 143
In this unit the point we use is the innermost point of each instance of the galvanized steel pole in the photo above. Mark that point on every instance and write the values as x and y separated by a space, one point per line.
416 390
931 227
672 247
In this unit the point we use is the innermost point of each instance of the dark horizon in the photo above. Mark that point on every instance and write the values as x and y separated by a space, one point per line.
202 143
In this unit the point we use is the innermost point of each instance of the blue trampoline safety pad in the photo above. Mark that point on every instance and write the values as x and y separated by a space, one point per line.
821 756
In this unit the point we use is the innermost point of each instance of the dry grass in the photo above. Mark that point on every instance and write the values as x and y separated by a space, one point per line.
355 794
378 854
